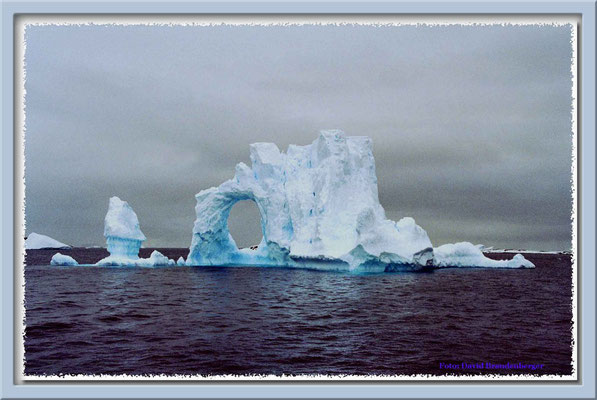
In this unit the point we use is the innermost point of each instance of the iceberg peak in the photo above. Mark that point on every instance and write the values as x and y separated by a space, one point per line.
121 221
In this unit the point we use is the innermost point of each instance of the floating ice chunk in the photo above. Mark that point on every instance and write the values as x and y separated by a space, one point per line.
181 262
465 254
61 259
36 241
156 259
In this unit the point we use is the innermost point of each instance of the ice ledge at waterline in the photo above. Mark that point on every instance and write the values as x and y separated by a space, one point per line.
320 209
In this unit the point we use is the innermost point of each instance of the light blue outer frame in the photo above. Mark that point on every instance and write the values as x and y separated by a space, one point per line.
586 123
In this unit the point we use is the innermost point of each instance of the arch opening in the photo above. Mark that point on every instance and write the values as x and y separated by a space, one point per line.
245 224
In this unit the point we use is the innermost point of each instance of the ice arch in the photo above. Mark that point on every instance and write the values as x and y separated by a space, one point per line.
245 224
212 242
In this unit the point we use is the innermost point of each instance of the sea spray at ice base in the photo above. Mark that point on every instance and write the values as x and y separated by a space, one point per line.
320 209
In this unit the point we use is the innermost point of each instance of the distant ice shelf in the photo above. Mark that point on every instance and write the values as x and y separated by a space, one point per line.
520 251
36 241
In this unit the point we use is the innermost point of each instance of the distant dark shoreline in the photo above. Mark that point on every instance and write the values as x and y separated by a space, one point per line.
91 255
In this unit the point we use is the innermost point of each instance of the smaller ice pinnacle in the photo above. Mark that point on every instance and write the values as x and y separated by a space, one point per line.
124 238
121 230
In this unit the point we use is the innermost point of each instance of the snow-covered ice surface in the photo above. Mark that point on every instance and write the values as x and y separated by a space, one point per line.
466 254
61 259
319 209
124 238
37 241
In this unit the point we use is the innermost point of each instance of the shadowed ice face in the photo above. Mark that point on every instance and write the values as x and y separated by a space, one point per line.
471 126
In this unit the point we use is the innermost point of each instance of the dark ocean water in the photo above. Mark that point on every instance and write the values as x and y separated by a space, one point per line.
190 320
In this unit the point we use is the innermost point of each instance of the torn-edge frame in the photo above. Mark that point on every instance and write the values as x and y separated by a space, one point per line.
373 12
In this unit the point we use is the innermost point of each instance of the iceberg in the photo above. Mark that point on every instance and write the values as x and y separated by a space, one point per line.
466 254
123 234
319 209
36 241
61 259
121 229
124 238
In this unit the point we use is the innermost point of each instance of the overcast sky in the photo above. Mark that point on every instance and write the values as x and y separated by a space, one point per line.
471 126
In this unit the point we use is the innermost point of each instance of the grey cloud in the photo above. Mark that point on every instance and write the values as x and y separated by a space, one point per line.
471 125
